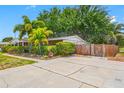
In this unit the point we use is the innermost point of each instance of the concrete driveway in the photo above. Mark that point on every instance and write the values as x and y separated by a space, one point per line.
66 72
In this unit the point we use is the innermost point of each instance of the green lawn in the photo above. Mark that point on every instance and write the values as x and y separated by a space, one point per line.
9 62
121 49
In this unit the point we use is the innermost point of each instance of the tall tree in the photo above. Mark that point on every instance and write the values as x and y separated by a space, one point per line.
27 26
7 39
52 20
117 34
89 22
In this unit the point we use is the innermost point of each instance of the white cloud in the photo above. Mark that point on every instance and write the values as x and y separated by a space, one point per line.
113 19
31 7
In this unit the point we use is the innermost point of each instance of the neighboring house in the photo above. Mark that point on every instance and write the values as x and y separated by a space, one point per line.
52 41
4 43
23 42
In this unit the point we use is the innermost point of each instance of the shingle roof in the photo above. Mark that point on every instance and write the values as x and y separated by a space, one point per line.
74 39
4 43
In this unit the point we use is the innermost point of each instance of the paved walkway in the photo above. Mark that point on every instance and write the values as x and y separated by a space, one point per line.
65 72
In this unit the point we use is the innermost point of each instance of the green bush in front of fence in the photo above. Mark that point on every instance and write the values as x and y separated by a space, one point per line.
65 48
44 50
61 48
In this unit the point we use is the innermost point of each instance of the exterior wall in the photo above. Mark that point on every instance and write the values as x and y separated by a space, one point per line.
53 42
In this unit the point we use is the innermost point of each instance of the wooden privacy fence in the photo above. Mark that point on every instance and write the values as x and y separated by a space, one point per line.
103 50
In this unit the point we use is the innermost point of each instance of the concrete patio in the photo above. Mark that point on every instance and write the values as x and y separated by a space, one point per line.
66 72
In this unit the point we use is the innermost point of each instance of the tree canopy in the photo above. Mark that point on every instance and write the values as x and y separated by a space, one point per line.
40 35
91 23
7 39
27 26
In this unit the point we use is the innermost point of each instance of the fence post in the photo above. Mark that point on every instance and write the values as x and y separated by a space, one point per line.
104 50
92 49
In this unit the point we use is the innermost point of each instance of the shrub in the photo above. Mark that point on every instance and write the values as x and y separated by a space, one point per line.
61 48
54 50
46 49
32 49
65 48
15 50
26 49
42 50
5 48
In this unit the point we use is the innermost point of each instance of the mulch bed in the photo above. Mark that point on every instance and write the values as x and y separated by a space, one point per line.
118 57
28 55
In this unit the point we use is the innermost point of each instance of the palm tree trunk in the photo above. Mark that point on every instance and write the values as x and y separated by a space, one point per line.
30 48
39 49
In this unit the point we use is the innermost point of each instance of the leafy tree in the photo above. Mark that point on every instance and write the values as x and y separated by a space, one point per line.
91 23
7 39
52 20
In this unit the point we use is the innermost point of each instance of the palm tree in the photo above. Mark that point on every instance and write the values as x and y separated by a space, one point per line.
24 28
115 35
20 28
27 26
118 34
40 35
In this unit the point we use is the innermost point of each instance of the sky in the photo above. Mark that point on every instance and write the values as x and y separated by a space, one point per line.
11 15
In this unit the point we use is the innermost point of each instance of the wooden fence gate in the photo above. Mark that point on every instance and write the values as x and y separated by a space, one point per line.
97 49
83 49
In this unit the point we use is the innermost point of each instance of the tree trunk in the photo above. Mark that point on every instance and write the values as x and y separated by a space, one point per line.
39 49
30 48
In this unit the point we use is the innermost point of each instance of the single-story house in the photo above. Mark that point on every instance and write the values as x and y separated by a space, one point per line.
4 43
52 41
23 42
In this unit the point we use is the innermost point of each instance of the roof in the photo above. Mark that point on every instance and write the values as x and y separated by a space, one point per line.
74 39
4 43
16 40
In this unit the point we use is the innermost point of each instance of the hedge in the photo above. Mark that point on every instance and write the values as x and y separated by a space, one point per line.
65 48
61 48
